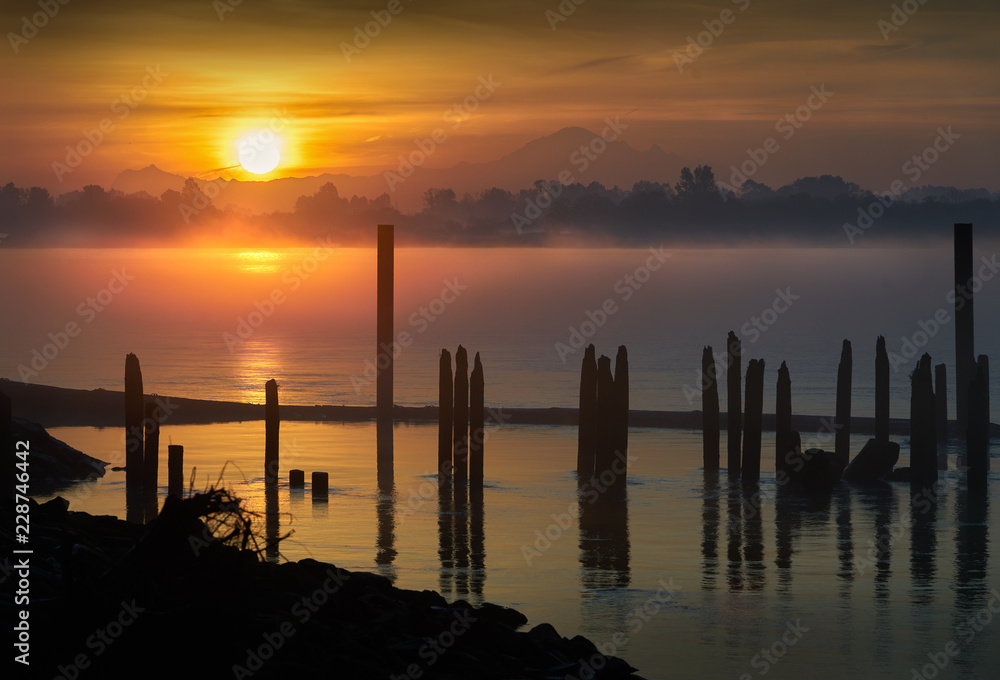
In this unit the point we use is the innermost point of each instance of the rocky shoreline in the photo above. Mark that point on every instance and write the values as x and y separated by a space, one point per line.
112 599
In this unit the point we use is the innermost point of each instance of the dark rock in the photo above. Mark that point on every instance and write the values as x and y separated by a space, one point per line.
873 462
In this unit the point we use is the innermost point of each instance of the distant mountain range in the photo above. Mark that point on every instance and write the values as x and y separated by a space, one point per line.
572 152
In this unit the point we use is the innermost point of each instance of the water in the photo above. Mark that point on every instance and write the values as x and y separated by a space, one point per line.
683 580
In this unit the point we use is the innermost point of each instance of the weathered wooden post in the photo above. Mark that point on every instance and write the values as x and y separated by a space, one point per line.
150 460
941 402
175 470
750 471
783 426
734 414
619 419
320 485
923 443
965 356
842 423
461 415
605 406
881 391
586 451
446 406
978 436
133 424
272 422
296 479
709 412
384 354
477 423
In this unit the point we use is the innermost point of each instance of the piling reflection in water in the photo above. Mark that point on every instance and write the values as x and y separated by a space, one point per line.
461 542
605 553
385 544
710 530
975 601
272 521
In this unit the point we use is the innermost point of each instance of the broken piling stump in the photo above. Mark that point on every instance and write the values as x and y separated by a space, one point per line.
619 418
175 470
709 411
750 470
320 485
461 416
477 425
134 412
978 437
965 356
446 406
296 479
881 391
605 405
384 353
734 409
783 446
842 442
587 416
941 403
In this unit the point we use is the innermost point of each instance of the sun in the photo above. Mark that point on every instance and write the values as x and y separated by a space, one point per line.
260 151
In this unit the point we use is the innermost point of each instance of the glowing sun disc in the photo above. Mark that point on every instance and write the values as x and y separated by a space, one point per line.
259 152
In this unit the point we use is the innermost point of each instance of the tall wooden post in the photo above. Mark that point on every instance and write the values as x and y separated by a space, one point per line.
709 412
605 406
587 426
384 355
783 426
446 406
477 424
461 415
941 402
734 412
965 356
133 437
750 470
272 422
619 419
842 423
881 391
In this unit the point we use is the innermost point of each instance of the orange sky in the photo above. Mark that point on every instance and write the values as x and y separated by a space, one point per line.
220 77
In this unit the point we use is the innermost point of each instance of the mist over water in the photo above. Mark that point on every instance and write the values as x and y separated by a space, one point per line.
217 323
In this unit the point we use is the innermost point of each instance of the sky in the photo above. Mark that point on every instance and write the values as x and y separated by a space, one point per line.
179 84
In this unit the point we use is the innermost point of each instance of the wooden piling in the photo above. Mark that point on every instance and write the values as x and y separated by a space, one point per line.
941 403
978 435
923 442
604 456
133 424
783 445
384 355
964 325
709 412
272 423
586 451
842 422
477 423
150 450
750 471
734 412
296 479
175 470
461 415
619 419
320 485
446 406
881 391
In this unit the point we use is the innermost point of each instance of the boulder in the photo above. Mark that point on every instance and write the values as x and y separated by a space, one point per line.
873 462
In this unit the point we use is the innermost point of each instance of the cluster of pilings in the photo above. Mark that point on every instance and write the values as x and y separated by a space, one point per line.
461 420
602 441
142 443
928 411
743 460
